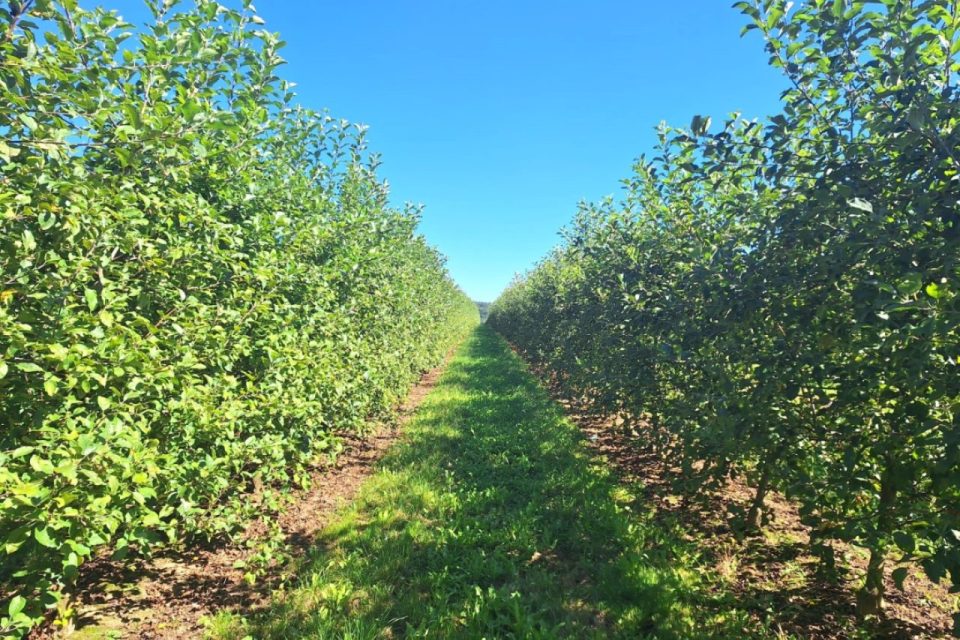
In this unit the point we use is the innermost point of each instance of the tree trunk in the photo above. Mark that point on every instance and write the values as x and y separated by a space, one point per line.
755 514
870 597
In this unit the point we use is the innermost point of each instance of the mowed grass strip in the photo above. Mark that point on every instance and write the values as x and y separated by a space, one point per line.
492 520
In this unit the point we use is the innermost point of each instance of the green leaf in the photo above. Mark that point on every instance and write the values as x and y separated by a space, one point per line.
773 16
899 575
91 297
43 537
28 121
103 403
17 604
46 220
29 243
58 351
50 385
699 125
860 204
41 465
121 548
916 119
3 369
29 367
15 539
839 6
123 155
910 284
934 291
71 565
7 152
905 541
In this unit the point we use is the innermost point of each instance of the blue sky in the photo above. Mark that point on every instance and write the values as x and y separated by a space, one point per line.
500 115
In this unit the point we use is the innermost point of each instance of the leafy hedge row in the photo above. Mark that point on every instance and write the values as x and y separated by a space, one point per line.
199 283
780 299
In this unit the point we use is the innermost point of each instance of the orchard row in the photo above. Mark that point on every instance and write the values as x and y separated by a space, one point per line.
779 299
200 283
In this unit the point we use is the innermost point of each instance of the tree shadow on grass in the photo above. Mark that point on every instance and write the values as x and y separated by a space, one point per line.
491 519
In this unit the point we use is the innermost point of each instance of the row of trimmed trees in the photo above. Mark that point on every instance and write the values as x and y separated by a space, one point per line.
200 282
780 299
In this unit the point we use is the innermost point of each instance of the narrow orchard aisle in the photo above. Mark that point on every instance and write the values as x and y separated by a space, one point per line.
490 519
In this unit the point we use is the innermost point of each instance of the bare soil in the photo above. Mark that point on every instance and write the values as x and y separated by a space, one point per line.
167 596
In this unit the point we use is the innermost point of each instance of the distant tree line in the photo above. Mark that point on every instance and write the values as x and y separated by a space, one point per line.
484 308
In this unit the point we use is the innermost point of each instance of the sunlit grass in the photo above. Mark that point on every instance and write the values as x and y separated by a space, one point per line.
492 520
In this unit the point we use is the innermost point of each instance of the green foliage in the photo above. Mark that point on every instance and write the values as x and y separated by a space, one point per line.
200 282
780 299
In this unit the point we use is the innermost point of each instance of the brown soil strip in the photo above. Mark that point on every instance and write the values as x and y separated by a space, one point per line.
773 575
169 595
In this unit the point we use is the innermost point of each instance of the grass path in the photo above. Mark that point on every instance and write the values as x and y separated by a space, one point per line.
491 519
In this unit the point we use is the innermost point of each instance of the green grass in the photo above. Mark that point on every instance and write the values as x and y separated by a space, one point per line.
491 519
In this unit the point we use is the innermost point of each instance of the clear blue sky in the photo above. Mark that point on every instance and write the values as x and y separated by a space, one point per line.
500 115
